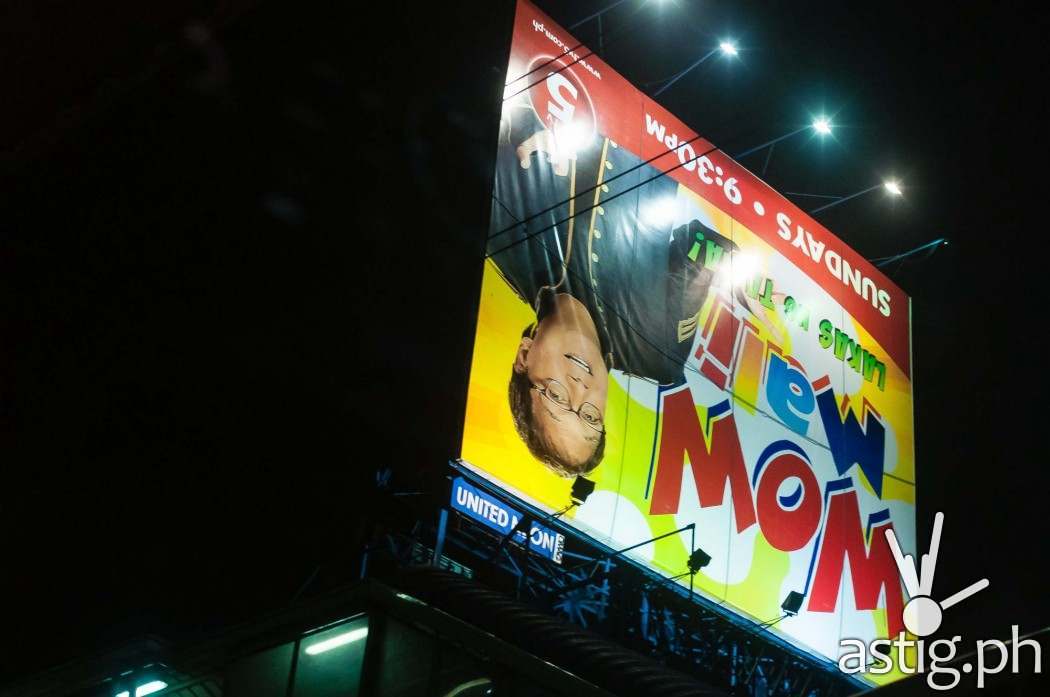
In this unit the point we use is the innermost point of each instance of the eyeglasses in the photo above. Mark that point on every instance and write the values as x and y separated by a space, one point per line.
558 395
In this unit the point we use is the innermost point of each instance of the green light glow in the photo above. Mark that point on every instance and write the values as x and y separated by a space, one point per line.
337 641
145 689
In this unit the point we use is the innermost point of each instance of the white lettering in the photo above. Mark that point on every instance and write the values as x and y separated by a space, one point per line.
833 261
562 111
859 655
816 249
936 661
800 241
886 664
654 127
784 226
981 669
1017 643
884 303
866 284
688 161
851 276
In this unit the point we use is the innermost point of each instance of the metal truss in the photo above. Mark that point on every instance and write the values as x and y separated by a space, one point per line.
635 607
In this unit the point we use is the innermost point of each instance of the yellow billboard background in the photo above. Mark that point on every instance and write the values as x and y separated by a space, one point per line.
492 447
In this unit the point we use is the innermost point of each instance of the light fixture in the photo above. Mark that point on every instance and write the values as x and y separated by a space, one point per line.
792 603
893 187
728 48
144 689
150 687
822 126
337 641
698 560
581 489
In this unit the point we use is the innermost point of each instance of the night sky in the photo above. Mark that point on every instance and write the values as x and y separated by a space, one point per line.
240 247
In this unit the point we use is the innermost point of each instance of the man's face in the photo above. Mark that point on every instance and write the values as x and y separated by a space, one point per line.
564 359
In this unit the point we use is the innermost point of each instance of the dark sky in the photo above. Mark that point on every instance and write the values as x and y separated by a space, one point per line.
240 251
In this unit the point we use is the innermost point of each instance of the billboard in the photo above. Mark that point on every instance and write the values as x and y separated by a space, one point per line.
656 318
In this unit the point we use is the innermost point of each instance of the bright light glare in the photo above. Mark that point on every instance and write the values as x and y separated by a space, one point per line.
145 689
728 48
570 138
337 641
745 267
660 212
822 126
893 187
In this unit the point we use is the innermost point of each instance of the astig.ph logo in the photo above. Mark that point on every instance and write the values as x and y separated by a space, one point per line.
922 617
923 614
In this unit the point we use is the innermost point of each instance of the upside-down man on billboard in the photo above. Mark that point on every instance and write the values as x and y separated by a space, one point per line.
590 244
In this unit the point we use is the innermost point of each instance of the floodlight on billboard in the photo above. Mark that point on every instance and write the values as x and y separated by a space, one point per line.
656 318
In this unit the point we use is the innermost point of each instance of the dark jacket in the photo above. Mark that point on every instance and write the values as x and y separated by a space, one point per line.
633 274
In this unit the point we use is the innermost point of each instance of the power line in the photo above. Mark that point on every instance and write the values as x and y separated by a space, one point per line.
684 364
624 173
628 190
542 65
932 246
568 50
617 36
606 182
675 78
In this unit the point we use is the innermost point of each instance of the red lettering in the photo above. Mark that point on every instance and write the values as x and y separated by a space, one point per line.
788 530
871 569
718 339
682 438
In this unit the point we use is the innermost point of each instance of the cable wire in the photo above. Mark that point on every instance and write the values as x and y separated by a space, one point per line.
611 307
628 190
617 36
569 51
606 182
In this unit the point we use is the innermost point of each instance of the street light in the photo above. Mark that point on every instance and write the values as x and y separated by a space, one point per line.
821 125
728 49
891 186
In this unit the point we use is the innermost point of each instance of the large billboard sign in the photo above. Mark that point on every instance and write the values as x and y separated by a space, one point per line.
656 318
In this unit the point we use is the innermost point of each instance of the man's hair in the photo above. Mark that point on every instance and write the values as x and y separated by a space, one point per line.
519 394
